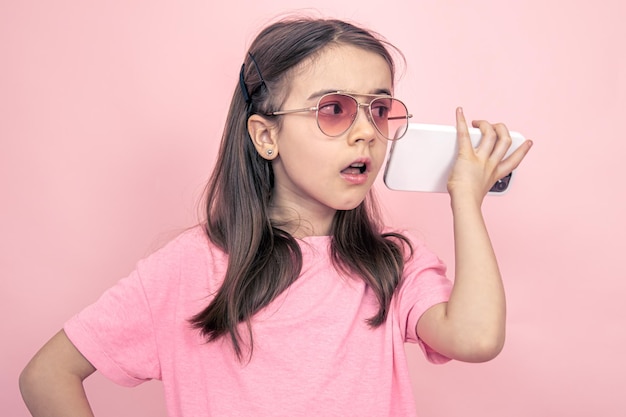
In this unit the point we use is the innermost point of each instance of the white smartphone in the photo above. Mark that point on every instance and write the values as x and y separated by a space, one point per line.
423 158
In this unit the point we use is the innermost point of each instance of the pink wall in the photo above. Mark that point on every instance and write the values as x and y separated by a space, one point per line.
110 115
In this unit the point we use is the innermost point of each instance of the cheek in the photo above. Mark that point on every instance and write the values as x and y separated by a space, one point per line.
379 155
299 126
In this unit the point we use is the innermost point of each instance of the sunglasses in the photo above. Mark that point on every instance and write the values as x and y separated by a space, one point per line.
336 113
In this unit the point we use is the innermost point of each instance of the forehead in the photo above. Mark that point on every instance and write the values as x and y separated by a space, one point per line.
340 67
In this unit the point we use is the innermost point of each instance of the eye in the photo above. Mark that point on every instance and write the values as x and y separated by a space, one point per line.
381 108
331 108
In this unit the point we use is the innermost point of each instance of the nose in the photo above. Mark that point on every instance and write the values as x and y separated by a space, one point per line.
363 128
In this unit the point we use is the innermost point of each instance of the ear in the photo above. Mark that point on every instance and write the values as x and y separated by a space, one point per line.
263 134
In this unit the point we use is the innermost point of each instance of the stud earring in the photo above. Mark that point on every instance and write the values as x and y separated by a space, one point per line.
269 151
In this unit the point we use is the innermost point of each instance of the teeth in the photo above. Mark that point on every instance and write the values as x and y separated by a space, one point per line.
360 166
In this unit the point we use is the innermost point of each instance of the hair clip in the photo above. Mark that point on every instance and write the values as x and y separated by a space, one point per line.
258 71
242 83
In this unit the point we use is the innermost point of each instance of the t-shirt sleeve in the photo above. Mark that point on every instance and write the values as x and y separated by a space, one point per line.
424 285
117 333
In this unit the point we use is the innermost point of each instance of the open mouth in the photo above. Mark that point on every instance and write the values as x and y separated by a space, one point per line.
355 168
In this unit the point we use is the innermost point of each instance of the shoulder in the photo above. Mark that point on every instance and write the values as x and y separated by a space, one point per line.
415 242
419 256
190 243
193 237
191 252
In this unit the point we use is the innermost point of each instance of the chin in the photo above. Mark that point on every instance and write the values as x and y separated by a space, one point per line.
349 205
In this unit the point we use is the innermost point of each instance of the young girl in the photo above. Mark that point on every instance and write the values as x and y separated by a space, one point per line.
292 299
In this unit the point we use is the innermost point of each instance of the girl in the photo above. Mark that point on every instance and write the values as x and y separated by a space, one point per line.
292 299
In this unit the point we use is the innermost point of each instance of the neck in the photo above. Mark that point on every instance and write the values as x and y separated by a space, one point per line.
301 225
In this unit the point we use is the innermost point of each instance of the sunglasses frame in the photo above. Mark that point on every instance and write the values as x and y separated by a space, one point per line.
351 95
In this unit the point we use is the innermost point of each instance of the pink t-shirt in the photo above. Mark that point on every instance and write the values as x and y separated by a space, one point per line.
314 354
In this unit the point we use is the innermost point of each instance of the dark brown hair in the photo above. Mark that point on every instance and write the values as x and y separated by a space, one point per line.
263 259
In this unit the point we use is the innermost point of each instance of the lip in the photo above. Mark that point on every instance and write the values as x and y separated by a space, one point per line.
357 178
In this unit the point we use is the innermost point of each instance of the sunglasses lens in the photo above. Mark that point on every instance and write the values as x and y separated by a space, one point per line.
335 113
390 116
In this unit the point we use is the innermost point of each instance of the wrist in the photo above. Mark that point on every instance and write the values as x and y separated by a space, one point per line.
465 199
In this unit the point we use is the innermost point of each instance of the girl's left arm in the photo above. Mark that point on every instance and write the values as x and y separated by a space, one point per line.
471 326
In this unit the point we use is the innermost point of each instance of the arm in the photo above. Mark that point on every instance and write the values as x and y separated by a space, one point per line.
51 383
471 325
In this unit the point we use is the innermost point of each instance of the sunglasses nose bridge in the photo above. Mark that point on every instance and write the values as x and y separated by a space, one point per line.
368 114
366 109
355 113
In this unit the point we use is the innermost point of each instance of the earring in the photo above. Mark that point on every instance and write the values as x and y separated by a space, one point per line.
269 151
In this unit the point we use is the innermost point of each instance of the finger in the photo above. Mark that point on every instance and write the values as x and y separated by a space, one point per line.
462 133
488 137
503 142
512 161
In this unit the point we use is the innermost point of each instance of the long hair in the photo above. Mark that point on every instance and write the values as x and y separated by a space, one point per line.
263 259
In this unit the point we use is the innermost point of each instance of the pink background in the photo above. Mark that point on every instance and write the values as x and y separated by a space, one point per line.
110 114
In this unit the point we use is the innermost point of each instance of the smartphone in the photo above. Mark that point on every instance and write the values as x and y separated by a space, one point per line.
423 158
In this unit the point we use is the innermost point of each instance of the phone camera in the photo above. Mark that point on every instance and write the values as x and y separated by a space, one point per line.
501 185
